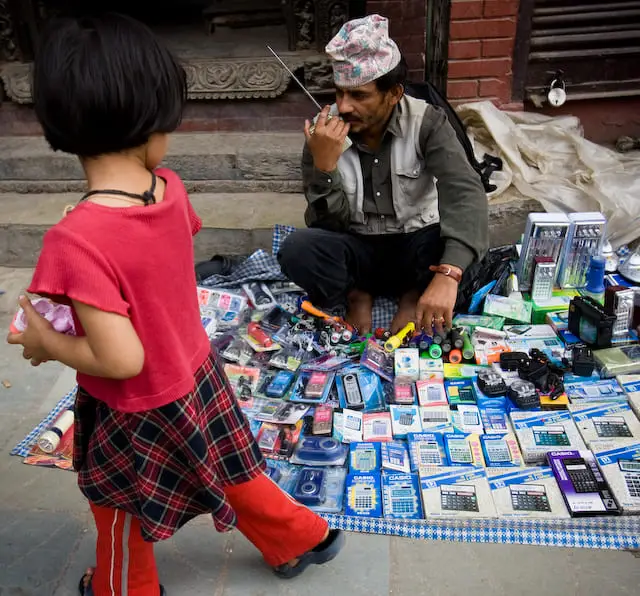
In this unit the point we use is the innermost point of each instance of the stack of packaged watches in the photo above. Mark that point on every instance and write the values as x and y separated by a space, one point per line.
527 408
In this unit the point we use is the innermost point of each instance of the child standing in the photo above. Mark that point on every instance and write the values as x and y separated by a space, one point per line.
159 437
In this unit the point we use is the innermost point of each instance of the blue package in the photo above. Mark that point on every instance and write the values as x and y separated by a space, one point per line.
463 449
478 298
363 495
426 449
319 451
364 458
364 386
394 455
401 496
484 401
494 420
595 390
312 387
501 451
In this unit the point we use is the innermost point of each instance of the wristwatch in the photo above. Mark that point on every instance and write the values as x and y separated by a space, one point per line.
446 270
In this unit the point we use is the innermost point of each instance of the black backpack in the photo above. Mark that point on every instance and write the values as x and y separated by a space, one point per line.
490 163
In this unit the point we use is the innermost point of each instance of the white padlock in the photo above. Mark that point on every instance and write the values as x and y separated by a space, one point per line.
557 95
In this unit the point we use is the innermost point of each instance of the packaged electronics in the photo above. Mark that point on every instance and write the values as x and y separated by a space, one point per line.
321 489
539 433
631 386
436 419
584 488
363 495
364 458
377 427
613 421
360 389
401 496
526 493
460 392
624 360
431 392
395 456
407 363
620 466
426 449
589 321
456 492
466 419
594 390
312 387
463 449
585 239
319 451
501 451
405 419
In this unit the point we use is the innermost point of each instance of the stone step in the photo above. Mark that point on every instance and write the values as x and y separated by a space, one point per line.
233 223
209 162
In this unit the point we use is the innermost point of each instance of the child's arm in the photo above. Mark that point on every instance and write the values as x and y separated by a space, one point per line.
111 348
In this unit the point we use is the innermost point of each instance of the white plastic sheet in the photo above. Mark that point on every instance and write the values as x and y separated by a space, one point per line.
549 160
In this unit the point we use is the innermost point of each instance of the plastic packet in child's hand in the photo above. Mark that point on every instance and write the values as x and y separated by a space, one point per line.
259 295
59 315
376 359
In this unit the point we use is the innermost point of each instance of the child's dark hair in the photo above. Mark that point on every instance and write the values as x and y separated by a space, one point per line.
397 76
105 84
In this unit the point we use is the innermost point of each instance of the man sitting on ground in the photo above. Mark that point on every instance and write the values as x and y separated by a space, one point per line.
399 213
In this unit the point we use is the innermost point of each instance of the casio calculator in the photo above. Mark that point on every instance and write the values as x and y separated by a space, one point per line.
551 436
362 498
470 418
364 460
427 454
630 471
379 428
497 451
458 497
611 426
403 499
459 451
529 497
405 419
435 416
581 475
353 423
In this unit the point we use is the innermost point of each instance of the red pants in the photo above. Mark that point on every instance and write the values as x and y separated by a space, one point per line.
279 527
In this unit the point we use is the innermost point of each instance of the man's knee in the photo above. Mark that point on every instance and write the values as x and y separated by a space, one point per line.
300 246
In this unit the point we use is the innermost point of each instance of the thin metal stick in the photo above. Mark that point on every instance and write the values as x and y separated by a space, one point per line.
295 78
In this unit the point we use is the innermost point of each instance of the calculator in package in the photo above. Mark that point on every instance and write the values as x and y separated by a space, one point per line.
405 419
352 426
501 451
584 488
364 458
495 421
615 421
456 492
363 495
460 392
466 419
401 496
426 450
540 432
431 392
377 427
620 466
594 390
623 360
530 492
436 418
394 455
463 449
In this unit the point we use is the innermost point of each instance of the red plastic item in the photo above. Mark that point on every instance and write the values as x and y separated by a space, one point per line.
254 330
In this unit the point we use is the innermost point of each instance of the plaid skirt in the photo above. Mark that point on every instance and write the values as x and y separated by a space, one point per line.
171 464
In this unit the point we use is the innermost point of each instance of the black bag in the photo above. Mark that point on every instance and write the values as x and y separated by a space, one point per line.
490 163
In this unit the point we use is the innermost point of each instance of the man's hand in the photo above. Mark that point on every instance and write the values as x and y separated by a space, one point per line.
435 306
325 144
33 338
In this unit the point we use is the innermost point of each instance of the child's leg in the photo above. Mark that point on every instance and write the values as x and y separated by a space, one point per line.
279 527
125 564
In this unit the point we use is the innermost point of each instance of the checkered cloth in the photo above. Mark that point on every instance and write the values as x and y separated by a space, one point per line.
23 448
170 464
261 266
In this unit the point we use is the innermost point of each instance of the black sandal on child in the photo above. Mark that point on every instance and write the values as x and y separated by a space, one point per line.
88 590
326 551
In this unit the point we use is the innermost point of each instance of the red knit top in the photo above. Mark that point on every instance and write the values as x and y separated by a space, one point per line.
136 262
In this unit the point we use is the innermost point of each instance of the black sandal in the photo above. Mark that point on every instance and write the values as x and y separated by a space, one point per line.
88 590
323 553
